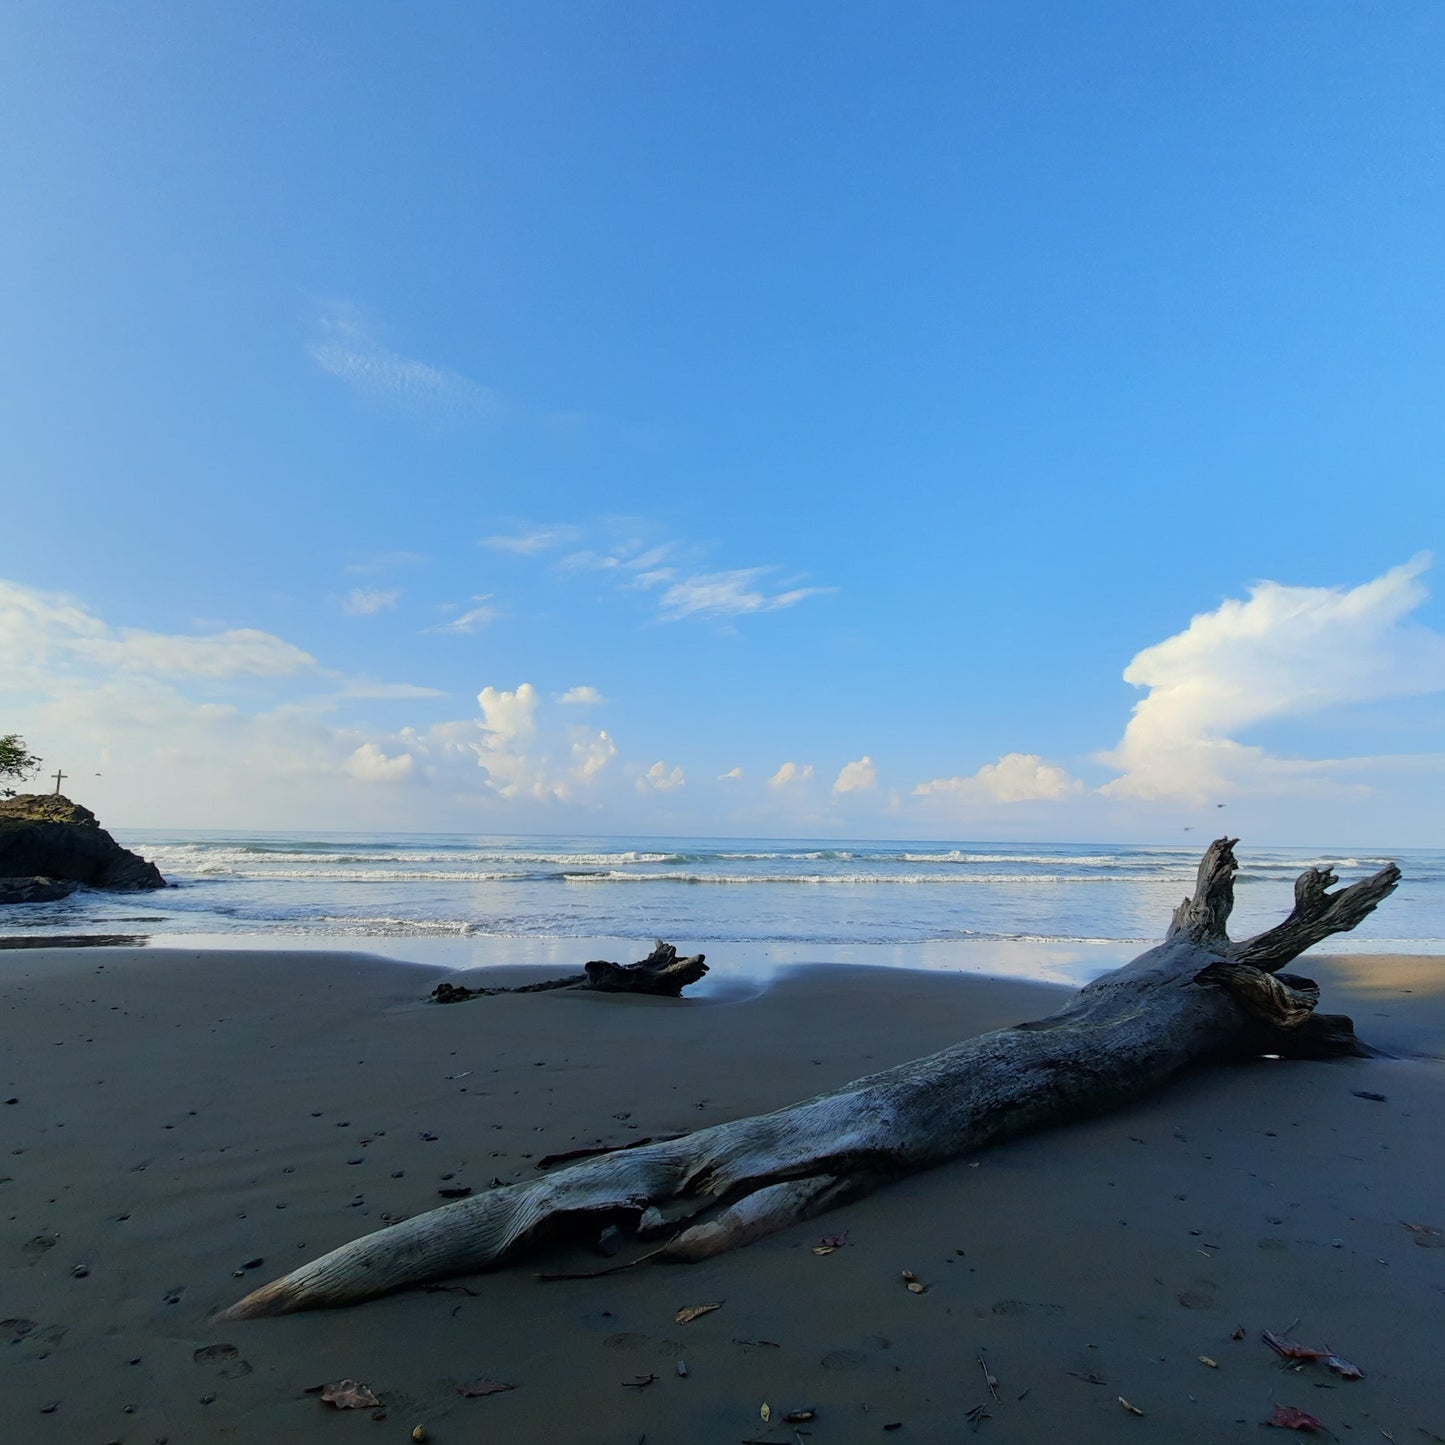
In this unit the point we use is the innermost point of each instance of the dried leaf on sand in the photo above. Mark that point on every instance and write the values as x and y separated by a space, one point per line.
1427 1236
1289 1349
475 1389
689 1313
1132 1409
349 1395
1290 1417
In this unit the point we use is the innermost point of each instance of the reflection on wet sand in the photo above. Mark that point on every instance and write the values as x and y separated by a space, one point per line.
74 940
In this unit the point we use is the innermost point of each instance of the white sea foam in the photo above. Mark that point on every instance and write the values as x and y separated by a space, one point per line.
448 886
872 879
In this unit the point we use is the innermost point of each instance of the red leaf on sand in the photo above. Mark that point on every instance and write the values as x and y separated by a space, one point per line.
1288 1417
349 1395
1293 1351
475 1389
1290 1350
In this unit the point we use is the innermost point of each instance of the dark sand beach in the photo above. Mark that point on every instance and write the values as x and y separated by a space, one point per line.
174 1118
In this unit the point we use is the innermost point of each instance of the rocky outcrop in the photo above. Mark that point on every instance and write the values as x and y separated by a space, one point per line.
45 838
35 890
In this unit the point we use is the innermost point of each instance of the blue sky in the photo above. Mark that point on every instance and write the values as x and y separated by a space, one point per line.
793 419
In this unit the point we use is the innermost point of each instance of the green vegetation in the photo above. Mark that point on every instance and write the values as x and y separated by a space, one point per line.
16 761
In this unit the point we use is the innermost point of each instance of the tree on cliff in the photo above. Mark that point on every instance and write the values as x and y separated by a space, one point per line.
16 761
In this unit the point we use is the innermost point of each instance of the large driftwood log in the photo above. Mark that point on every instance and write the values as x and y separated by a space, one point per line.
1197 996
662 972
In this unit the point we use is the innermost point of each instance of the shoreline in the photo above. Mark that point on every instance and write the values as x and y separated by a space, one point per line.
175 1122
1069 963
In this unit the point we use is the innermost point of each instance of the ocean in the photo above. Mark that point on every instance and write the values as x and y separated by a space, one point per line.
1065 912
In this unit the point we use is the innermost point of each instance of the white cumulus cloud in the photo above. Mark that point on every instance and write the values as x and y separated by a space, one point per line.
509 723
1014 778
790 773
731 775
856 777
1284 652
591 754
582 696
519 759
657 779
371 765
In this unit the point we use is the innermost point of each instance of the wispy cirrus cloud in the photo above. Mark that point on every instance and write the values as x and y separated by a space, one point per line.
532 540
364 687
347 348
734 593
372 563
368 601
670 571
473 619
241 652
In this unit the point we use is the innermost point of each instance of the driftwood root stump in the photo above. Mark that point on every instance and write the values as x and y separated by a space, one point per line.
662 972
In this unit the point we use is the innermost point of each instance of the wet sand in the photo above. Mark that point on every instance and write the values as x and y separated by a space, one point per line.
179 1117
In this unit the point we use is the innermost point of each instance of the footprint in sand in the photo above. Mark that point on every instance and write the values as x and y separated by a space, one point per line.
226 1357
845 1359
36 1340
633 1340
627 1340
1025 1307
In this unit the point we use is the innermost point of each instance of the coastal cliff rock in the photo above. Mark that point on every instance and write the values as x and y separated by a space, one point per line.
35 890
47 842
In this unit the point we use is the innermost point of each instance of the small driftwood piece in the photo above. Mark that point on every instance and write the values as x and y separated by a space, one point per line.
1196 997
661 972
